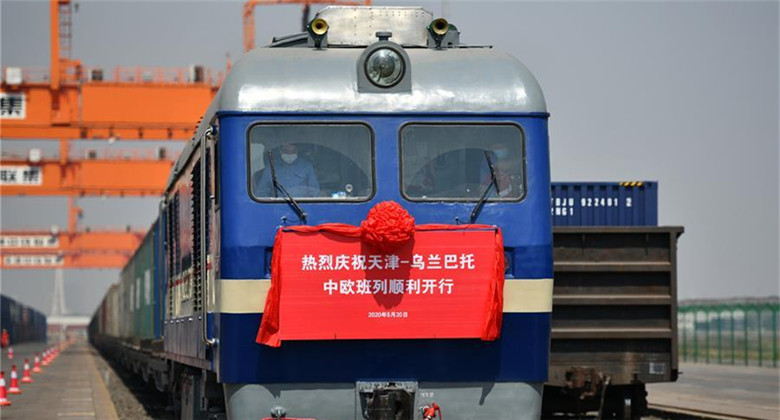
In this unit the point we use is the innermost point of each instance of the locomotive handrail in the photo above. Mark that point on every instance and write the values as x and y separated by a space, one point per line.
162 242
203 257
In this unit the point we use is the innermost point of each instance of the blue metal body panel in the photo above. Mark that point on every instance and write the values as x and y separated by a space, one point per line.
521 355
184 342
247 235
604 204
248 227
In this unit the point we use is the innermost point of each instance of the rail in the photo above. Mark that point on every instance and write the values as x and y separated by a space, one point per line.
687 413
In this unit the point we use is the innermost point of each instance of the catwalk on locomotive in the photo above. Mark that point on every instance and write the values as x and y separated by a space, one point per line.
359 229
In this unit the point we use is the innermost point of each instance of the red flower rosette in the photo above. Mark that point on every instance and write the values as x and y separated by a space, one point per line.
387 226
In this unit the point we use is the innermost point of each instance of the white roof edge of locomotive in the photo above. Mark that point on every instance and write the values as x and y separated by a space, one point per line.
449 80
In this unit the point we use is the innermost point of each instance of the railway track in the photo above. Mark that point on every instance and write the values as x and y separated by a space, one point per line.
672 412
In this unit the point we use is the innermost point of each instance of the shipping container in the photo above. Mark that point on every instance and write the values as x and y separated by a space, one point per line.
114 319
127 301
605 203
143 268
108 313
21 322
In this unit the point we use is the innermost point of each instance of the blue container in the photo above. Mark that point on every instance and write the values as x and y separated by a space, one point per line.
605 203
22 322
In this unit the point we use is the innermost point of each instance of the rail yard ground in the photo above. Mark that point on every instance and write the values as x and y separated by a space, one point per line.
133 399
81 384
721 391
69 387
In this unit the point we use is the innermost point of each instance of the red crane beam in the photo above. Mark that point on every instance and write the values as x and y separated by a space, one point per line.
86 177
103 110
41 249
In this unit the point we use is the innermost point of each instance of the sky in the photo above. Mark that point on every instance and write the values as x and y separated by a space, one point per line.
683 93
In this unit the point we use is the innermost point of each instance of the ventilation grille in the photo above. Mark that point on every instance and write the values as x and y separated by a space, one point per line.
197 237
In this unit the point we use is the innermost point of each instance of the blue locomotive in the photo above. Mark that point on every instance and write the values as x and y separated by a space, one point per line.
372 104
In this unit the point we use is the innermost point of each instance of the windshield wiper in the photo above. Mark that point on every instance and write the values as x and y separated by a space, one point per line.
278 186
493 183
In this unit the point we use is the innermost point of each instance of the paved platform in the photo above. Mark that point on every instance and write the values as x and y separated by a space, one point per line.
733 391
69 388
20 352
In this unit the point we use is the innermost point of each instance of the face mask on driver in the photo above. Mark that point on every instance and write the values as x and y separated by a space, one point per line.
289 158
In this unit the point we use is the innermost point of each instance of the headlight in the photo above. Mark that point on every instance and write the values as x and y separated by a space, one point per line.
385 67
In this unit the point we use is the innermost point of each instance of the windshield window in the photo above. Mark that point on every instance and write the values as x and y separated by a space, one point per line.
447 162
312 161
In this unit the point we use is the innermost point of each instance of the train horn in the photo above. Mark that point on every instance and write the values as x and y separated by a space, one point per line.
318 27
439 27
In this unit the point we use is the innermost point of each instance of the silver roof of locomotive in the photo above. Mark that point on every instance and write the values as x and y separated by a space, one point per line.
451 80
288 76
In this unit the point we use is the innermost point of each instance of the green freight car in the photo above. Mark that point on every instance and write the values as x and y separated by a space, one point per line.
138 294
145 299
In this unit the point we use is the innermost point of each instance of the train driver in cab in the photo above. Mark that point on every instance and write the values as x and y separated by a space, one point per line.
293 171
506 170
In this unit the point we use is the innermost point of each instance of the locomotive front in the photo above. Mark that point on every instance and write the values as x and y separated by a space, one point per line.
376 105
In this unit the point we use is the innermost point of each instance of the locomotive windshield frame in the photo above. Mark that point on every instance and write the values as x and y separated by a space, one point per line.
340 198
523 184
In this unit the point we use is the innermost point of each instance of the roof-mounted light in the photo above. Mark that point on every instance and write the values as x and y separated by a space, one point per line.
385 67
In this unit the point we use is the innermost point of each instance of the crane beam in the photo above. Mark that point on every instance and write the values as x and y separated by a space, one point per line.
103 110
86 249
49 261
86 177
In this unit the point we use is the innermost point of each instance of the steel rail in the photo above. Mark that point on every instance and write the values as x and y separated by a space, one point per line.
697 413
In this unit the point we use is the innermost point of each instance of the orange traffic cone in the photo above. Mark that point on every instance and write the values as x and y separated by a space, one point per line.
46 357
10 353
3 397
26 379
14 388
37 365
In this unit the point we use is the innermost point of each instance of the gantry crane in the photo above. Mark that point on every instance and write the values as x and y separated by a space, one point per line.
69 102
73 102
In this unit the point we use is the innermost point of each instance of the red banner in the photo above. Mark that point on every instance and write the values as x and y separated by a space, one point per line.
328 283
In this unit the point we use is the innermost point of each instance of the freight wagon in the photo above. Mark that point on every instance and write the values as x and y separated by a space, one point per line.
22 322
128 322
614 326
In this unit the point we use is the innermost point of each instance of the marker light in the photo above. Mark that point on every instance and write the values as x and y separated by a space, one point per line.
385 67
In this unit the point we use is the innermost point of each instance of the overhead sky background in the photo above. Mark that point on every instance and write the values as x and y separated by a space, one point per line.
685 93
